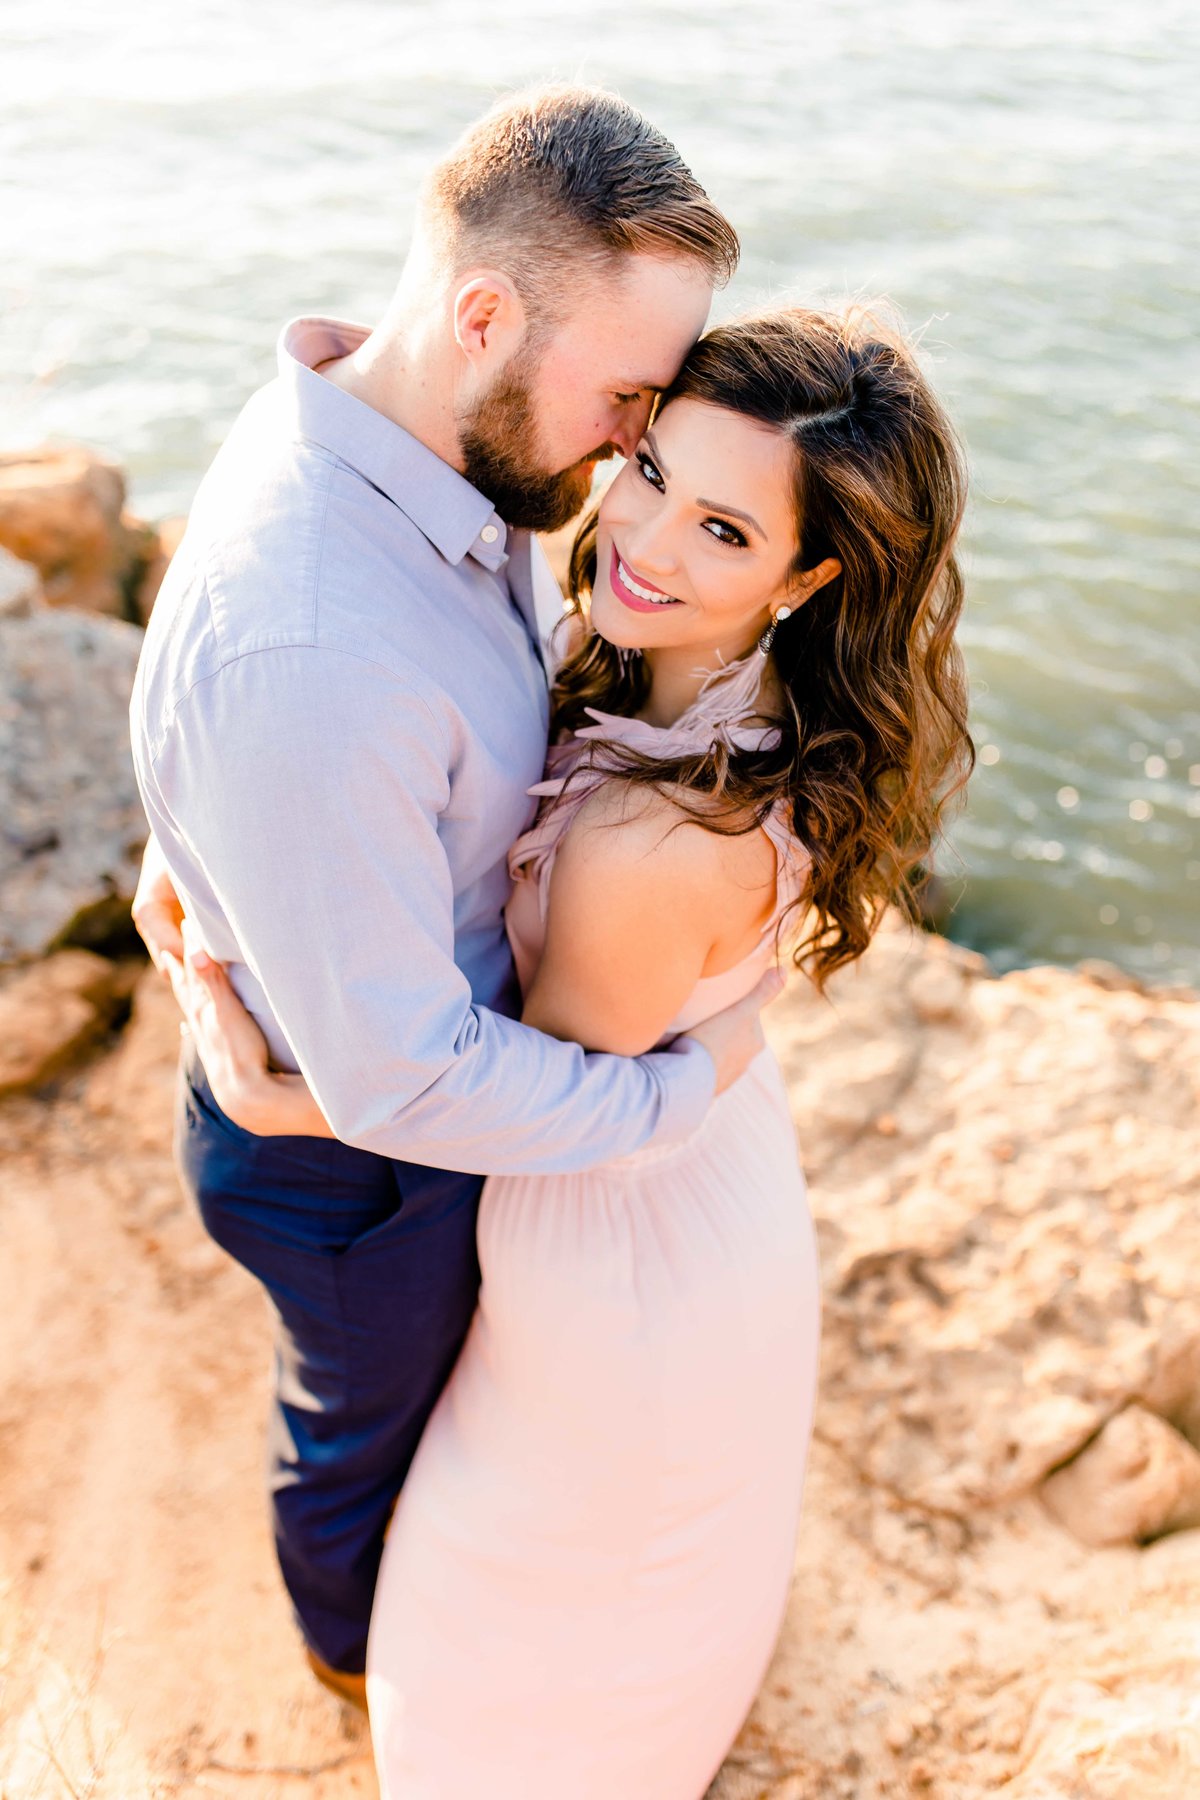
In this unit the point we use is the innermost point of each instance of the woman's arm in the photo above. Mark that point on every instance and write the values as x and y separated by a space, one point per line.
642 900
156 911
231 1047
234 1053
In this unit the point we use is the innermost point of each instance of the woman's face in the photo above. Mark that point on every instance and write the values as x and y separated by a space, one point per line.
696 535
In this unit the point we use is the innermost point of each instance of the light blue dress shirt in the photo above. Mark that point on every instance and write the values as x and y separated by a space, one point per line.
340 707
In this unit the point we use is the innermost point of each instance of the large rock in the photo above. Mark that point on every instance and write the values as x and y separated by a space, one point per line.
1003 1177
1137 1479
51 1011
136 1083
63 511
20 587
162 542
71 823
1009 1183
1135 1733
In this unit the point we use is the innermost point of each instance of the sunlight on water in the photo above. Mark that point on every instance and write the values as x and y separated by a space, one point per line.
1021 181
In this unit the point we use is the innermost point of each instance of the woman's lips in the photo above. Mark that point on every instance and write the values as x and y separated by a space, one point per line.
636 602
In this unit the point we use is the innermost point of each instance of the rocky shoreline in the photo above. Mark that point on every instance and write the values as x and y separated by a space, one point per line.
999 1567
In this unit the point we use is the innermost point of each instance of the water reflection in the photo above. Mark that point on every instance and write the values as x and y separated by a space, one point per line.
1021 181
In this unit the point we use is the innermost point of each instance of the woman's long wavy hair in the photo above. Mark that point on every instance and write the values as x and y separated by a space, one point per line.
873 725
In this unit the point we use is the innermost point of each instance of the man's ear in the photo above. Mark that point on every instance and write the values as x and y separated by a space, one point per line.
489 319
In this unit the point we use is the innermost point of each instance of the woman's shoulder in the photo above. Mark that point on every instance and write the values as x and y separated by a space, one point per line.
655 835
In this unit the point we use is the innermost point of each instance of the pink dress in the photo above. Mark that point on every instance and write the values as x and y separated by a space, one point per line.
590 1559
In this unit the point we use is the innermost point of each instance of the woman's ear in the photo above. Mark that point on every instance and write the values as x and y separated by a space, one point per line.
806 585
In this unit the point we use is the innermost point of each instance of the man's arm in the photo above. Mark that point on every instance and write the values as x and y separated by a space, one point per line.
322 847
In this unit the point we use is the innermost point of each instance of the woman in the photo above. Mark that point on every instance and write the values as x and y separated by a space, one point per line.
756 731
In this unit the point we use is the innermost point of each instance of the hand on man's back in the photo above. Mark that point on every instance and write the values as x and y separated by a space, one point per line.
157 914
734 1038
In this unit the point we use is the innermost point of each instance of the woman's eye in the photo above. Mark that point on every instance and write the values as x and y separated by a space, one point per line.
625 399
724 534
649 472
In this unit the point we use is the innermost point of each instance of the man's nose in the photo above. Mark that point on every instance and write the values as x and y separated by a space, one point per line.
633 421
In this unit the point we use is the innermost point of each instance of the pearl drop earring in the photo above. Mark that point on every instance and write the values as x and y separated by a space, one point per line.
768 636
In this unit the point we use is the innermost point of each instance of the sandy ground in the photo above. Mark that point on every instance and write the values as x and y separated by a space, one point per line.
947 1646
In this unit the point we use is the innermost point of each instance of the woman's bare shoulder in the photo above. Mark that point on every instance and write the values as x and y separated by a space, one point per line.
629 827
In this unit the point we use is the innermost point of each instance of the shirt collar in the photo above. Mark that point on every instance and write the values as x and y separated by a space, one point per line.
456 518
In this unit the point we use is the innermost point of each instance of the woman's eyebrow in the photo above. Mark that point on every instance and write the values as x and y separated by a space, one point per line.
716 506
708 505
662 467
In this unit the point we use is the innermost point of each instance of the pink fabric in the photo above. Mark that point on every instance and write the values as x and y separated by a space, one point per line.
590 1558
575 769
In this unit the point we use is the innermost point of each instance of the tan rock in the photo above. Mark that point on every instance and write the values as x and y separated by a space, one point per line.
137 1082
71 823
1127 1737
1136 1480
20 587
897 1735
1107 975
1007 1181
1172 1389
62 511
51 1011
162 544
1007 1265
941 992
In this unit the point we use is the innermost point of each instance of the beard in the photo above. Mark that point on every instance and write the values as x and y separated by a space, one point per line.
498 440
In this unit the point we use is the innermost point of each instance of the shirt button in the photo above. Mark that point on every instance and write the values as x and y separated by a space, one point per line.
489 534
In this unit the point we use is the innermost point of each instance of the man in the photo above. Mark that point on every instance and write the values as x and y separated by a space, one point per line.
340 708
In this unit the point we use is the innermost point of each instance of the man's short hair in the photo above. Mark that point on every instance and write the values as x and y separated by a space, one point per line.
557 179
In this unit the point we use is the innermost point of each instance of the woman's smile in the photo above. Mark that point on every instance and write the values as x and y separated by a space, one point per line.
638 595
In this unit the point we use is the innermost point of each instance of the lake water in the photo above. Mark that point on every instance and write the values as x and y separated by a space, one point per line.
1022 181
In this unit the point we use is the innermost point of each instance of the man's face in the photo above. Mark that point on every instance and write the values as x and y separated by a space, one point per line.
531 442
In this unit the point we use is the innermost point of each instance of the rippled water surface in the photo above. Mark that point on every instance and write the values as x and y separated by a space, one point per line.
1020 180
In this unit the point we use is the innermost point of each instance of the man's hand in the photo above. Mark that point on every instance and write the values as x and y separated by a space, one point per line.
157 913
733 1038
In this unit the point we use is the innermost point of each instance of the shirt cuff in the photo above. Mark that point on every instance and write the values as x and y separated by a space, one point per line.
688 1078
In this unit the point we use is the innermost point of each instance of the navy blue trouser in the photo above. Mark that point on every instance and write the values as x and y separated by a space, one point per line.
371 1269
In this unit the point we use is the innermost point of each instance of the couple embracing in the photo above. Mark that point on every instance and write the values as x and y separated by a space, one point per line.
537 1444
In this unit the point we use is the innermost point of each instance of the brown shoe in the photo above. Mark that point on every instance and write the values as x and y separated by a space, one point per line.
350 1688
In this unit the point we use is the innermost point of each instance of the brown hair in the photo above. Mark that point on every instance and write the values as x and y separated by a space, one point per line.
873 732
560 176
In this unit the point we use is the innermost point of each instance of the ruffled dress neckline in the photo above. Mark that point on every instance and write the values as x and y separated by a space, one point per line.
723 712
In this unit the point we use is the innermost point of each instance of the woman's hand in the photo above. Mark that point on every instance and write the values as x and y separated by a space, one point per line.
734 1038
157 913
234 1052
